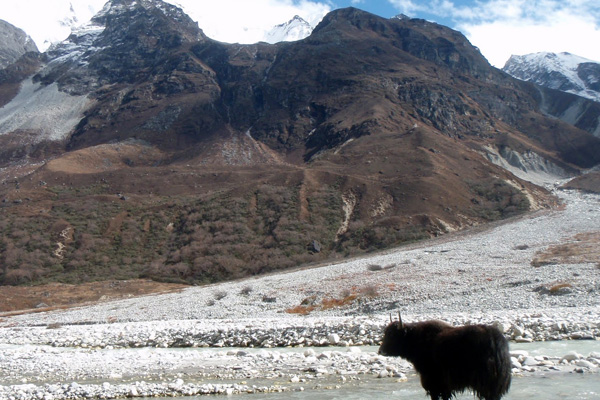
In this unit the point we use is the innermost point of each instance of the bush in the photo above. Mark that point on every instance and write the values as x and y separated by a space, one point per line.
246 290
370 291
302 310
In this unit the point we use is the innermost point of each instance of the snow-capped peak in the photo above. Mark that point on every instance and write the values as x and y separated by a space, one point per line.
295 29
401 17
562 71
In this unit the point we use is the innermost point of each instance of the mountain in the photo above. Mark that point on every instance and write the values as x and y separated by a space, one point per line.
564 80
139 147
563 71
13 44
295 29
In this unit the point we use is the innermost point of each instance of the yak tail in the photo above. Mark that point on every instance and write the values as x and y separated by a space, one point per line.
499 367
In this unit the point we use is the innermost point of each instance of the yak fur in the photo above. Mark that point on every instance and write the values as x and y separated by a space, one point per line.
451 359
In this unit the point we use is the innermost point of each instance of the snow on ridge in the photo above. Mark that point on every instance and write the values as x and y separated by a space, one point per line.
565 63
43 109
553 70
295 29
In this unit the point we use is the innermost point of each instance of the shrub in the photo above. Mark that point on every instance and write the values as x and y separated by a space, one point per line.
302 310
246 290
370 291
560 288
330 303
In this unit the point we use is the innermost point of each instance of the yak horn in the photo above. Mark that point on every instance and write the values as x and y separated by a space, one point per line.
400 319
391 320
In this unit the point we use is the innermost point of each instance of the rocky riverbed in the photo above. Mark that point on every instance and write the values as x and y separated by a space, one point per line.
534 277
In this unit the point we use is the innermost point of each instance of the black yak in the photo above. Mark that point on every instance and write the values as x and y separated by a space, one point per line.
451 360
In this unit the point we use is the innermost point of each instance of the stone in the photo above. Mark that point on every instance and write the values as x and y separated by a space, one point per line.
521 339
502 326
530 361
519 353
315 246
571 356
309 353
585 364
333 338
515 363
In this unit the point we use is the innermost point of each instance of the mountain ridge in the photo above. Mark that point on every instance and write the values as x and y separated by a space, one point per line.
197 161
562 71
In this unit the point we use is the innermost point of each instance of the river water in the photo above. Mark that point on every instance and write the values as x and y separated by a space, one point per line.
549 387
539 385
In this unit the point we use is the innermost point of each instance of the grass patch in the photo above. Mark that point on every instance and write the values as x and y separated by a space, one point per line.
348 297
581 248
555 289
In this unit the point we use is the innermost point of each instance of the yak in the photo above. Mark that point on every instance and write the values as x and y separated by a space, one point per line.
451 359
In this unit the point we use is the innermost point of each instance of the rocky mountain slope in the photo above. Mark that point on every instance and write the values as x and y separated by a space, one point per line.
13 44
576 76
139 147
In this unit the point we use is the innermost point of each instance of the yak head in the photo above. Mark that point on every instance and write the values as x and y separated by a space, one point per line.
394 341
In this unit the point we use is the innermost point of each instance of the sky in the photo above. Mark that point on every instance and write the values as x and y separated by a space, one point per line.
499 28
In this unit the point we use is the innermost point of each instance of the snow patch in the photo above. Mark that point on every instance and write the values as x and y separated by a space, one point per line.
77 47
43 109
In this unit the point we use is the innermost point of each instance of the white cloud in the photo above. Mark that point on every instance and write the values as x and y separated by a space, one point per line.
48 21
240 21
501 28
246 21
499 40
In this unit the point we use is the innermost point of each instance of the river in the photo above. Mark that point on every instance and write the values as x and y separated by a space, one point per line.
551 385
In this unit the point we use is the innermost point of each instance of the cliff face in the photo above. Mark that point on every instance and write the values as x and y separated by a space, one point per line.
13 44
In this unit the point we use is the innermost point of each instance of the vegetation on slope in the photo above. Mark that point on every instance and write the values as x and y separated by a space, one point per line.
86 234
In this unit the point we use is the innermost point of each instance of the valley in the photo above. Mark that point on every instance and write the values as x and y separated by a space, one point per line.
181 216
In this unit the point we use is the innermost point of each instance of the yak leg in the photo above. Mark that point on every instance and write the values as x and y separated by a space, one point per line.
439 396
432 388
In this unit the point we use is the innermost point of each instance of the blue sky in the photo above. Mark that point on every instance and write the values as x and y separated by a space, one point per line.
498 28
382 8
